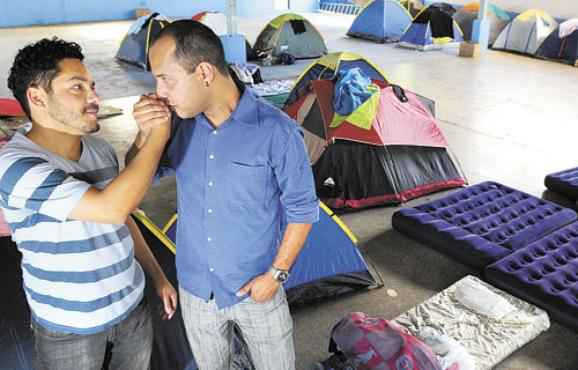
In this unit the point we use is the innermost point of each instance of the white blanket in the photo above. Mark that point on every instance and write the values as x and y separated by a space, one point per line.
488 339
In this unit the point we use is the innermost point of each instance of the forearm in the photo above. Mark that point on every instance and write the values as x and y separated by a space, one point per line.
121 196
293 241
143 253
135 148
127 190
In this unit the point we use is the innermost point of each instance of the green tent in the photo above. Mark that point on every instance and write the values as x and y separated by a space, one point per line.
292 34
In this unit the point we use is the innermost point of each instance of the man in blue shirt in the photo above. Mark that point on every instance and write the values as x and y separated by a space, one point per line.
242 173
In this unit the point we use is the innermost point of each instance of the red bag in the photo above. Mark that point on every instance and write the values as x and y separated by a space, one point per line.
377 344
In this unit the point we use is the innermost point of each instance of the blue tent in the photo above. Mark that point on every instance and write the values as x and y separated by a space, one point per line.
171 348
432 28
134 47
564 49
381 21
330 264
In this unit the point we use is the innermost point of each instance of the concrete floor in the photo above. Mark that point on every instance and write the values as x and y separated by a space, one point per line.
507 118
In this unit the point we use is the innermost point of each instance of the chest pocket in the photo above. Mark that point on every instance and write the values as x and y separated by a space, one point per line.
247 183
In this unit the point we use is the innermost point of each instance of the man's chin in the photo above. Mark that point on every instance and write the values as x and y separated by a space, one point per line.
89 127
183 115
93 128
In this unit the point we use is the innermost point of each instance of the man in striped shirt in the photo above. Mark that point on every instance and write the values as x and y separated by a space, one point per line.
68 209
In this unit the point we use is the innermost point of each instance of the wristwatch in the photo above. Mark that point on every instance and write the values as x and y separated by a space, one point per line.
278 274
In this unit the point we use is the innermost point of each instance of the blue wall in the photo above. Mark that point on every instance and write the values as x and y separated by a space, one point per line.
247 8
304 5
34 12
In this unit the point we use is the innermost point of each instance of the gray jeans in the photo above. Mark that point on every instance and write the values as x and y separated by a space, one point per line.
130 342
267 328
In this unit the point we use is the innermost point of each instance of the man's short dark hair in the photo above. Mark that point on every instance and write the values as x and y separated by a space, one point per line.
37 65
196 43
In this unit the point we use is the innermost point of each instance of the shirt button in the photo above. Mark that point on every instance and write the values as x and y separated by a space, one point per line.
212 269
210 210
211 156
209 239
210 183
215 132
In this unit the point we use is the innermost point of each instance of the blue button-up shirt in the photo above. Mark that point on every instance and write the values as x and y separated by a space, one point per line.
237 186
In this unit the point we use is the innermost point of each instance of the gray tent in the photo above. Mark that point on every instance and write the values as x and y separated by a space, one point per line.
292 34
526 32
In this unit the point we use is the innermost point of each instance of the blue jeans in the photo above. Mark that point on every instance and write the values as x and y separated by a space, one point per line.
130 342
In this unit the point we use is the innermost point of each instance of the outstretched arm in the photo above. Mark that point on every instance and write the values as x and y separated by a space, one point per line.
120 197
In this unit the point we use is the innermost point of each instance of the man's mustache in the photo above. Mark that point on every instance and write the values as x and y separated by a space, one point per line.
92 108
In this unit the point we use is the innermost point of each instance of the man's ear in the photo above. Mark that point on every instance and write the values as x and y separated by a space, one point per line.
206 72
37 98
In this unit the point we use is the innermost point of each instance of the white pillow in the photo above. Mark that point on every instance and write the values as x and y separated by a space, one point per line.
480 299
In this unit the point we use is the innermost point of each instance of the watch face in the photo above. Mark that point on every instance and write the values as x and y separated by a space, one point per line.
282 276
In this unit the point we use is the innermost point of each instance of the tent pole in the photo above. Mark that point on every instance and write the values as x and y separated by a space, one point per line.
231 17
233 42
481 31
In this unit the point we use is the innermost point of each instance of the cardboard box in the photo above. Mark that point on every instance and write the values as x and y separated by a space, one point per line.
468 49
140 12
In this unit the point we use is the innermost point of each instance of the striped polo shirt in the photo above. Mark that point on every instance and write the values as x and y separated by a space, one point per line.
79 277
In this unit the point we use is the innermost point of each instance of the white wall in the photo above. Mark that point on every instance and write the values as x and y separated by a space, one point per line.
556 8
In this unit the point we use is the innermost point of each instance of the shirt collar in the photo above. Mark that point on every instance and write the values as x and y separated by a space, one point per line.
247 108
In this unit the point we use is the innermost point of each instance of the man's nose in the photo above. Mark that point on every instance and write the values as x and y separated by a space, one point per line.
93 97
162 91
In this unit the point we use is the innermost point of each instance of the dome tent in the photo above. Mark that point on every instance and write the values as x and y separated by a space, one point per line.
329 264
526 32
381 21
562 44
292 34
134 48
432 28
386 151
497 17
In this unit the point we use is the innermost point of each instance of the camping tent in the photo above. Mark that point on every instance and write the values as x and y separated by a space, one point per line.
327 68
171 348
497 17
292 34
218 23
381 21
412 6
526 32
214 20
432 28
11 108
387 154
562 44
330 264
15 334
134 47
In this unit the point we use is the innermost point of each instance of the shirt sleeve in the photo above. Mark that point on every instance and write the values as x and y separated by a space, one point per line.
35 184
295 179
111 154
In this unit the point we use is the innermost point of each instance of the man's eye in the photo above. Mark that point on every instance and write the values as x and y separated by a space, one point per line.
77 87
